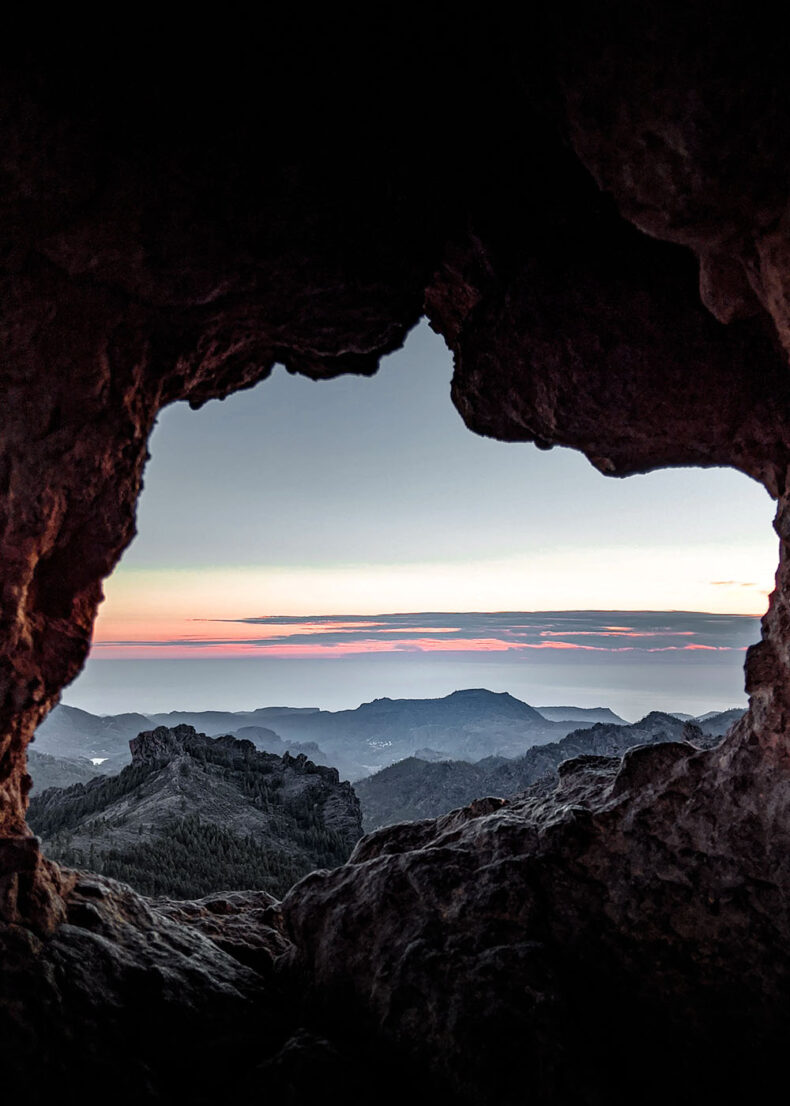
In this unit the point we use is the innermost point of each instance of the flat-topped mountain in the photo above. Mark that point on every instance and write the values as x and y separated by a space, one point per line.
459 705
413 788
192 814
582 714
470 724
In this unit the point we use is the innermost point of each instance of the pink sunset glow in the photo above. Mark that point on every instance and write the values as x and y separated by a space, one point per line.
196 647
236 648
164 630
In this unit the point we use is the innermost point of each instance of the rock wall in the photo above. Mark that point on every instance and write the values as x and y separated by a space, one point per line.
594 215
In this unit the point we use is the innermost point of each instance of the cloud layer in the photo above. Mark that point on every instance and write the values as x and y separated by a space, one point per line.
569 632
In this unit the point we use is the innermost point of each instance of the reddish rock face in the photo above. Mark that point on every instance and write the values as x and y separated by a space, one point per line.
595 218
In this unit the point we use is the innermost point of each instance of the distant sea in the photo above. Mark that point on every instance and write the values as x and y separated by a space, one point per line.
630 684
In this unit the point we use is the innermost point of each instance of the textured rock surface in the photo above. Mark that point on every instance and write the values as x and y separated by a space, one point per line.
120 983
572 941
172 225
175 1002
245 924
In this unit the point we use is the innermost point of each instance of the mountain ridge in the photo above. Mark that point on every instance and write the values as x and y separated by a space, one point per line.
193 814
413 789
468 724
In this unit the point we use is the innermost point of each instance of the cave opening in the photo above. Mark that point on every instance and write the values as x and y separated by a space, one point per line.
594 218
332 544
368 497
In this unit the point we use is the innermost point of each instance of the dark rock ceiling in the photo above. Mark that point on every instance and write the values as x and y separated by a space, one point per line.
592 211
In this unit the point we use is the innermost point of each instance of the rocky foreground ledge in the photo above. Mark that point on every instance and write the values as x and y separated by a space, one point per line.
557 947
620 936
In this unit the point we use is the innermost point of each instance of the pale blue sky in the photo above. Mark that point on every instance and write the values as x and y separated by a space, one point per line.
361 496
382 472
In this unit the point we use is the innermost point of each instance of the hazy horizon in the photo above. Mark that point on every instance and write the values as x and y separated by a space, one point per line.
630 661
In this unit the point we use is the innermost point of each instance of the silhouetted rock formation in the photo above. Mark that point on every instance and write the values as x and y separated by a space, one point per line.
176 218
192 815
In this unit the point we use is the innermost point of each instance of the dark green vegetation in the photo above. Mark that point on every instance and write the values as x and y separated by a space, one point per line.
183 861
192 815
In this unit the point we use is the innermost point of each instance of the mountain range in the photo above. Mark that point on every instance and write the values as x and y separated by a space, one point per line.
469 724
415 788
192 814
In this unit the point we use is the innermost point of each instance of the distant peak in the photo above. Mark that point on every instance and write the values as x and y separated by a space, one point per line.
482 693
658 716
164 743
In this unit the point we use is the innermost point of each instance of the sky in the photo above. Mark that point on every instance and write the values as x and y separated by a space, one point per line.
266 513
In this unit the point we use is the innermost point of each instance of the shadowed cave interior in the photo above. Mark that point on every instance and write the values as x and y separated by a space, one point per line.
594 221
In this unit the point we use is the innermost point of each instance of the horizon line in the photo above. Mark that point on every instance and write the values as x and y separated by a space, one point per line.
503 610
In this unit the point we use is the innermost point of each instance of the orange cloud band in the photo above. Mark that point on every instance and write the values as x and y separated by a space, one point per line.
219 648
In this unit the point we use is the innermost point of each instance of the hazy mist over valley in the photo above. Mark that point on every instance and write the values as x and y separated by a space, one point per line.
633 687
